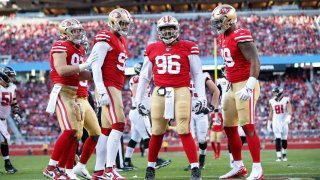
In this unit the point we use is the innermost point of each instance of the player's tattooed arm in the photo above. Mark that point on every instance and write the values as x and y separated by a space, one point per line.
250 52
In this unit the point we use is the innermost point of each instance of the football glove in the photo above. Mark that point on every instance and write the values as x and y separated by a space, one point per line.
269 129
208 109
104 99
288 119
246 92
93 57
17 118
200 106
143 110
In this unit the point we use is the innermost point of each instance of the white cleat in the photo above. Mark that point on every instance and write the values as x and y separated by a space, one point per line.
113 175
278 160
71 175
235 172
256 173
284 159
82 172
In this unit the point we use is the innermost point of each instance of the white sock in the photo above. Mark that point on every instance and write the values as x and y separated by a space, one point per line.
113 146
81 165
278 154
238 163
101 151
231 157
6 157
129 152
52 162
284 151
152 164
256 164
69 171
194 165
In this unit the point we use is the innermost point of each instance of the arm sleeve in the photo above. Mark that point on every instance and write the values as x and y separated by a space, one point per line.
144 79
101 48
196 75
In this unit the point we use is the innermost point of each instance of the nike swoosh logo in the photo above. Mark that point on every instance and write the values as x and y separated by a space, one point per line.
83 174
109 176
50 174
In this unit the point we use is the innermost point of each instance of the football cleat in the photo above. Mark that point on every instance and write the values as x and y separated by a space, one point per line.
71 175
150 173
82 172
111 174
285 159
51 172
9 168
162 163
235 173
256 173
278 159
98 175
195 174
188 168
128 166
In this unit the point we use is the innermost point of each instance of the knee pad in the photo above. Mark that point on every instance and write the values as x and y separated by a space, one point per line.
203 146
118 126
106 131
132 143
249 129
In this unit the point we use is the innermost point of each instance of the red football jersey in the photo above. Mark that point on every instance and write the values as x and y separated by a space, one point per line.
171 66
75 55
115 60
217 127
237 67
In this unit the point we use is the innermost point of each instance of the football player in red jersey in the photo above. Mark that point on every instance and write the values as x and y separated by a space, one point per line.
242 69
109 77
171 61
66 71
216 133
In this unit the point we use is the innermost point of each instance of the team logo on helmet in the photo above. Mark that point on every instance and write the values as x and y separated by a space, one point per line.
224 10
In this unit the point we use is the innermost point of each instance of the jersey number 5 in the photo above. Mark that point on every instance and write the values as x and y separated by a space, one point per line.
168 64
6 98
226 54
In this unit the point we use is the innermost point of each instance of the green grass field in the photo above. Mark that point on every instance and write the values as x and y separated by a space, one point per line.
304 164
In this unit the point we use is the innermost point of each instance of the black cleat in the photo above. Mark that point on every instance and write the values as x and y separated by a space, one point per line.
162 163
188 168
150 173
128 166
195 174
9 168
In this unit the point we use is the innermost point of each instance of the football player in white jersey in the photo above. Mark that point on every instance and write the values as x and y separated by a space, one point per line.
8 103
199 123
279 117
140 125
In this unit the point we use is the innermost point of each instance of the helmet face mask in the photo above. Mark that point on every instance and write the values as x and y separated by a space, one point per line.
9 72
71 30
222 17
4 79
120 21
277 92
168 29
137 68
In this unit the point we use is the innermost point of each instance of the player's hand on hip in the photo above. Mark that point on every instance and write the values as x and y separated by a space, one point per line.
104 99
143 110
245 93
201 107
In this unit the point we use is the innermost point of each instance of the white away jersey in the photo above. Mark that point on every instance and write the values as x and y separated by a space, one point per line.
193 90
279 108
6 97
146 97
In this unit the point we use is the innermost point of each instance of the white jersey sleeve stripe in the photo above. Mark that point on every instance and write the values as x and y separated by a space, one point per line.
244 40
240 37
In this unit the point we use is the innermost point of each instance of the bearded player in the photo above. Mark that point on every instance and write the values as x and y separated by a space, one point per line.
280 116
66 71
109 77
171 61
242 69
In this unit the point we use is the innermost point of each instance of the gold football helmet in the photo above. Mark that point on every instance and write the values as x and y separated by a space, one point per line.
222 17
168 35
120 21
71 30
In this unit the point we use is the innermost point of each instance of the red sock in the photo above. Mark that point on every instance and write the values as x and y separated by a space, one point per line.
106 131
71 156
62 143
189 147
65 156
88 148
154 147
218 148
234 142
253 142
213 147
